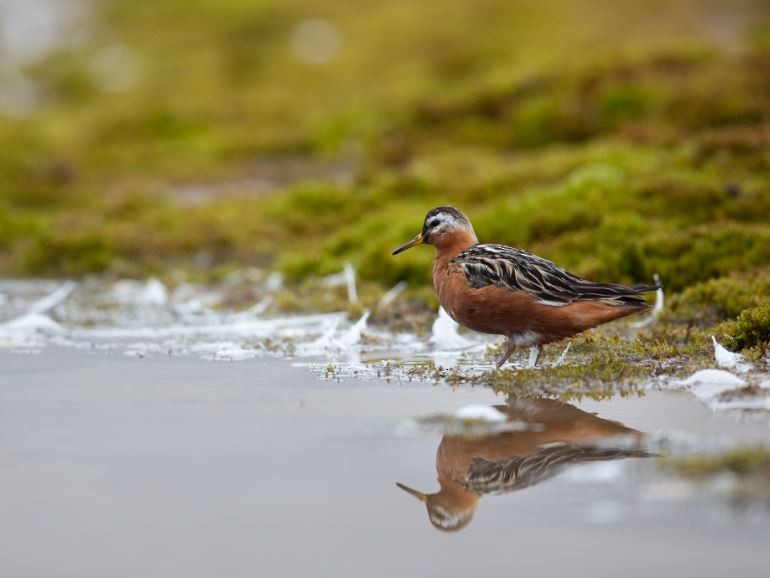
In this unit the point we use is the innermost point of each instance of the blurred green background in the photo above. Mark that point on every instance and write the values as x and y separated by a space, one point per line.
139 137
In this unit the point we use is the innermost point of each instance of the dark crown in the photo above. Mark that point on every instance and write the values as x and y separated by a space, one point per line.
457 214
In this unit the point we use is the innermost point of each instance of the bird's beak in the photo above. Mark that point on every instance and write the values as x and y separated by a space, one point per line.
419 495
416 241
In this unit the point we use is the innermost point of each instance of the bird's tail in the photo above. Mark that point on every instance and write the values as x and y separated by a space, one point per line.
627 296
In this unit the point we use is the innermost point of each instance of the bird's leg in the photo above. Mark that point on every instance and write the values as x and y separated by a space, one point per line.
534 353
507 354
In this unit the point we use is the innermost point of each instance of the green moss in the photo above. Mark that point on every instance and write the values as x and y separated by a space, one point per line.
699 252
601 364
742 461
751 329
314 209
720 299
652 159
748 469
76 253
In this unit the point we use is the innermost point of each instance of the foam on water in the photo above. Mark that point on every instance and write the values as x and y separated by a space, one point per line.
728 359
722 390
709 384
152 292
391 294
448 344
335 341
601 472
345 277
146 318
486 413
719 379
30 322
445 335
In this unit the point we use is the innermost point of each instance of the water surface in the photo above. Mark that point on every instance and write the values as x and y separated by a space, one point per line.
175 466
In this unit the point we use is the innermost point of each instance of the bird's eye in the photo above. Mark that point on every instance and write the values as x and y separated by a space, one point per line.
433 223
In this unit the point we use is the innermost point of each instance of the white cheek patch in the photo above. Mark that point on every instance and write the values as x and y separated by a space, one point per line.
447 223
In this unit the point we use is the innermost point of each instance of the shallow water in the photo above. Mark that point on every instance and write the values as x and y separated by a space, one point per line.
175 466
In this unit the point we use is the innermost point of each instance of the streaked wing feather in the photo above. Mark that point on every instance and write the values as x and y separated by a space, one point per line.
485 477
518 270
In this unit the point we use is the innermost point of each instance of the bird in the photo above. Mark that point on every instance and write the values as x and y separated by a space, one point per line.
502 290
551 435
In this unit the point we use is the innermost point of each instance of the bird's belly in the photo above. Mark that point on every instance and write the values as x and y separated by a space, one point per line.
468 317
473 311
497 311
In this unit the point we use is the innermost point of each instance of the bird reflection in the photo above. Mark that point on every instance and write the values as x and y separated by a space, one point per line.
554 435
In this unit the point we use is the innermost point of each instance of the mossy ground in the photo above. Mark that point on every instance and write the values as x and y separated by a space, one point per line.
599 364
648 155
750 465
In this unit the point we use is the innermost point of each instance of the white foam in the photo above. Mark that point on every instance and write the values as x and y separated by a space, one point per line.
261 306
481 413
152 292
31 330
716 377
595 472
728 359
273 282
353 335
141 318
25 330
329 343
326 343
444 335
345 277
226 351
238 326
31 322
708 385
53 299
350 280
392 293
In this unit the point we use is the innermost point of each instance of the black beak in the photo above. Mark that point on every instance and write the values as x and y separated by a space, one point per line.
416 241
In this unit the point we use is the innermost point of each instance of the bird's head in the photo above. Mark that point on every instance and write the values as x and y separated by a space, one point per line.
443 227
446 510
